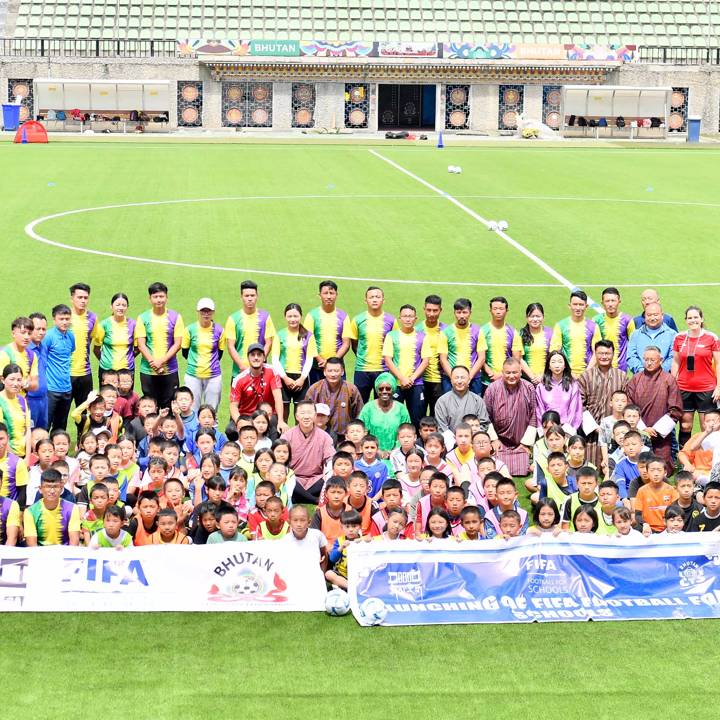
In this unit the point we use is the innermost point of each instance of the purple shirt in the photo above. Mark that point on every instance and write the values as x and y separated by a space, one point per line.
568 403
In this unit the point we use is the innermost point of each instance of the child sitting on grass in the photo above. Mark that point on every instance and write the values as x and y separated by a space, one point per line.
351 528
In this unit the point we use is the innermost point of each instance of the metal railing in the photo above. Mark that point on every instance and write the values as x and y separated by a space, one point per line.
680 55
46 47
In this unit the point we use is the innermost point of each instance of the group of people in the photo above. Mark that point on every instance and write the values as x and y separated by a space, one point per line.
429 439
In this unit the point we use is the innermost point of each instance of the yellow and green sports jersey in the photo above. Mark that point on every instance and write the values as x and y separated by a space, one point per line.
329 329
618 329
15 414
9 517
14 475
83 328
370 331
242 330
160 333
116 341
435 338
51 527
204 345
460 345
576 340
496 343
407 351
24 359
535 354
291 351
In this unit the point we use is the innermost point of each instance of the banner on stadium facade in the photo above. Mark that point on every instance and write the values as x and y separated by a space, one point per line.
320 48
258 576
540 579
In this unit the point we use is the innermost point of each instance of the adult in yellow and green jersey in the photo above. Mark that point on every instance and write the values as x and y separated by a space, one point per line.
459 346
531 344
367 334
294 349
406 353
496 339
248 326
114 338
51 520
82 324
18 353
15 411
331 328
615 326
576 335
432 327
203 344
159 333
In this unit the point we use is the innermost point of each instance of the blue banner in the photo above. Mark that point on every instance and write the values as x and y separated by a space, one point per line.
541 579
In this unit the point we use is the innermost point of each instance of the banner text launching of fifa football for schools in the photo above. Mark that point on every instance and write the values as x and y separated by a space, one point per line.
538 579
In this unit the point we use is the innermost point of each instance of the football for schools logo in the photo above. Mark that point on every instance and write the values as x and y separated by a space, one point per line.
690 574
246 577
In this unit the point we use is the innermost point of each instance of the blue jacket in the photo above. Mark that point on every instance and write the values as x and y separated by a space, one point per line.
57 349
661 337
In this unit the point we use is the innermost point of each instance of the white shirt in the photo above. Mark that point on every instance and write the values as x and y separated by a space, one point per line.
632 537
313 541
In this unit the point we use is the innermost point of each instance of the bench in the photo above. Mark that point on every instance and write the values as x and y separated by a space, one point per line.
633 128
110 121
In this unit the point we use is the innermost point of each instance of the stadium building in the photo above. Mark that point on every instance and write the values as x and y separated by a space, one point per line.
470 66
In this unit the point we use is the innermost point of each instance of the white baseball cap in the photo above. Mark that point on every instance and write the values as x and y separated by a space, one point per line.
205 304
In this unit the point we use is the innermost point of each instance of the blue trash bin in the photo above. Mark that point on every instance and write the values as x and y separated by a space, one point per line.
11 117
693 128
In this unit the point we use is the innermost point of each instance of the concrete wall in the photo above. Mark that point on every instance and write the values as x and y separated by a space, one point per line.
703 82
172 69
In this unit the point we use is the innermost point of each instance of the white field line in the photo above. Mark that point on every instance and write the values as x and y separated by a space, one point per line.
519 247
30 230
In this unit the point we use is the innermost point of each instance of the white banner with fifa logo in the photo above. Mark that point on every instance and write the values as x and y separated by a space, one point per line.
257 576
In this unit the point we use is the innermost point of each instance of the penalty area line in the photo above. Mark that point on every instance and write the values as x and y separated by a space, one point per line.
475 216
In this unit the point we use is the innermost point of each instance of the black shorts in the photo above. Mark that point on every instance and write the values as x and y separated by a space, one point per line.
701 402
289 396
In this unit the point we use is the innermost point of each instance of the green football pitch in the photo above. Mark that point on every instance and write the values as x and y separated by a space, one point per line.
203 216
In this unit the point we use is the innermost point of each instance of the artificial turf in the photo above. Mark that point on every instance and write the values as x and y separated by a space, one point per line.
244 665
607 215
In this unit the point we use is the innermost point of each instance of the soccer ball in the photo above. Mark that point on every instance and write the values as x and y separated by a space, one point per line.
337 603
373 611
244 584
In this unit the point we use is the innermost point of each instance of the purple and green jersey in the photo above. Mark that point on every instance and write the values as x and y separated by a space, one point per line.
204 346
577 341
117 343
160 333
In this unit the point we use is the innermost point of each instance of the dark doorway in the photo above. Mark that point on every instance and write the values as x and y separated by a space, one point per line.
406 107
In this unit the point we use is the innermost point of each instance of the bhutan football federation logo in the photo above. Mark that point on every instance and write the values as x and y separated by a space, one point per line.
246 577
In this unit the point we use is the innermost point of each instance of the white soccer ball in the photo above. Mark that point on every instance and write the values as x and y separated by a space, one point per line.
373 611
451 168
502 225
458 169
337 603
